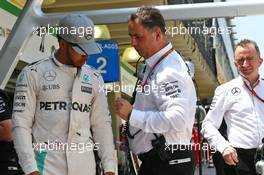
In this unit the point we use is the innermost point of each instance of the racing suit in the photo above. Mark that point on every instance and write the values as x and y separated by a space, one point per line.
56 107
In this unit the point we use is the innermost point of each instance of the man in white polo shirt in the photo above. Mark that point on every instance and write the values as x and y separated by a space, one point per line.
241 103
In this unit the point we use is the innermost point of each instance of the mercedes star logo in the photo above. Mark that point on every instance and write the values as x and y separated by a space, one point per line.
236 91
50 75
88 36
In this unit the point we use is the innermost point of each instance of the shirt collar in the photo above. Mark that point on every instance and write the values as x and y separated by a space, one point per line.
151 61
63 66
54 59
243 79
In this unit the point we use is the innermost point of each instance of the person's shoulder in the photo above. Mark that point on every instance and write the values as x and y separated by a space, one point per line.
174 57
34 69
232 83
261 81
174 66
176 62
35 66
228 86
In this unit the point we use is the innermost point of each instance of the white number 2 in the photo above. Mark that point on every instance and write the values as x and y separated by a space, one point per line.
102 61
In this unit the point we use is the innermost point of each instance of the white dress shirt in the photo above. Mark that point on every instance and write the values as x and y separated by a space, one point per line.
243 114
167 106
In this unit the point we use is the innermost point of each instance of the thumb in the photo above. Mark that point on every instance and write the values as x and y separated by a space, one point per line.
234 156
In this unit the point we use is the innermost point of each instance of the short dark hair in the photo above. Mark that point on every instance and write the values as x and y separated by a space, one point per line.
150 18
245 42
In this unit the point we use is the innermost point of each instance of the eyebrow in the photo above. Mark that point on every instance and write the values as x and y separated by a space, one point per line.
243 57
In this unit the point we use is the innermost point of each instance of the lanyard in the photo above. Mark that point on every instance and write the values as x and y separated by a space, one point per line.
132 136
253 91
161 58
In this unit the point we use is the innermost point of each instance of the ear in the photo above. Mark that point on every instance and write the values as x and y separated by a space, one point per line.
158 33
260 60
235 63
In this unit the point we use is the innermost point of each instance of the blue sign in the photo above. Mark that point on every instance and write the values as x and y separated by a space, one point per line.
106 62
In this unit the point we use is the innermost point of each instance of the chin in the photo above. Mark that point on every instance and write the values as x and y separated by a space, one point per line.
247 73
80 64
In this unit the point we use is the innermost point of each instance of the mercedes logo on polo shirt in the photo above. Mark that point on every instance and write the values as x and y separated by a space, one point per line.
50 75
236 91
89 36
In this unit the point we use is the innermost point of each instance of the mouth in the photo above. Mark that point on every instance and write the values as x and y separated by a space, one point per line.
246 71
80 63
83 62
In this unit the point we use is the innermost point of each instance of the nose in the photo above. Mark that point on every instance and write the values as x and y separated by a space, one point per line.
85 57
134 41
246 63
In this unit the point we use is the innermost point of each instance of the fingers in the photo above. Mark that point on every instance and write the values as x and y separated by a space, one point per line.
230 156
122 108
229 160
119 103
234 157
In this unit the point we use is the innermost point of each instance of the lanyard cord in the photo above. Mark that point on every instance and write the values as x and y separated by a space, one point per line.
132 136
157 63
253 91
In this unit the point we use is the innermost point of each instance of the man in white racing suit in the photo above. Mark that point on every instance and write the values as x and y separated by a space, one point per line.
60 107
240 103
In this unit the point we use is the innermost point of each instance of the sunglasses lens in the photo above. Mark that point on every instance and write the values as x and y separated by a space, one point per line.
78 48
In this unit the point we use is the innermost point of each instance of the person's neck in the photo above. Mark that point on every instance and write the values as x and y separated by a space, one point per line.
253 79
157 49
61 57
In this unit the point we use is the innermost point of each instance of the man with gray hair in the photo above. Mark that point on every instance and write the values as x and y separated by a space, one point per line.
240 103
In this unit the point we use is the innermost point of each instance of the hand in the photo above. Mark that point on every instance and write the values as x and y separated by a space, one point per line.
34 173
230 156
109 173
123 108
